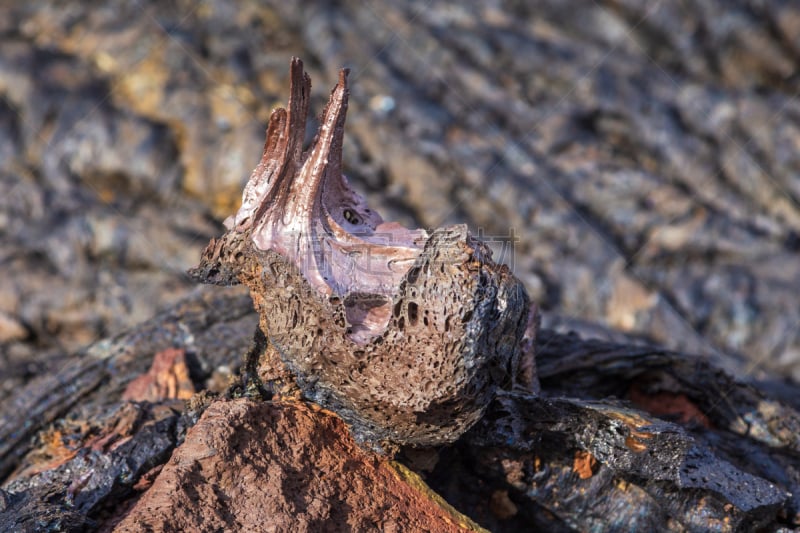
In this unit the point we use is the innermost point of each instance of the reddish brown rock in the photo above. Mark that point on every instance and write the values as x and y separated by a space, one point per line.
668 404
167 379
251 466
584 464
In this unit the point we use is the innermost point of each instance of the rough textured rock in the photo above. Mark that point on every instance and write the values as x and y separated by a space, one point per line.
85 444
252 466
579 456
406 334
643 153
212 327
85 468
601 449
649 473
167 378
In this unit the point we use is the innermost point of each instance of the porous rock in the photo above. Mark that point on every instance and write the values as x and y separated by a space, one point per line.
406 334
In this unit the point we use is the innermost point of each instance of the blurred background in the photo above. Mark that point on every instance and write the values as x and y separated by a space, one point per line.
637 162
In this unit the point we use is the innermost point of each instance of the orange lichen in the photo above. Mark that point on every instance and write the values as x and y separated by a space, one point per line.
635 444
584 464
53 453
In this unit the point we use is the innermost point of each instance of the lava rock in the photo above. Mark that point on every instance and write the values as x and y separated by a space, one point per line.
406 334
